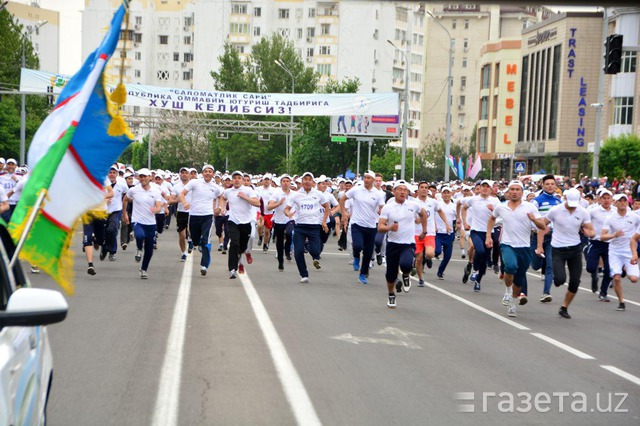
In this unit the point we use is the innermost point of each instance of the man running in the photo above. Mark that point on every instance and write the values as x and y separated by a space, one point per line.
282 225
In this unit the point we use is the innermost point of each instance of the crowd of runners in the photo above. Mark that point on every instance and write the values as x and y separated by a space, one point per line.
504 228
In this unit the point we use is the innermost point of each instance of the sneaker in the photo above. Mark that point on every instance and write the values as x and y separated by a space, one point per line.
112 257
304 279
392 301
259 241
249 258
511 311
241 268
406 283
564 313
440 276
265 248
414 271
91 270
232 274
143 274
199 249
621 307
474 277
224 250
124 246
220 247
379 259
340 248
522 299
203 270
288 256
429 263
506 299
463 253
316 264
384 260
183 258
496 268
420 283
371 264
467 271
476 286
280 267
546 298
399 286
138 256
356 264
103 254
190 247
363 279
603 297
35 269
594 287
166 227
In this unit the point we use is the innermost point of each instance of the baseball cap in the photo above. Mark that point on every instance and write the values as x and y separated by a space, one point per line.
267 176
619 197
516 183
127 174
237 172
445 188
604 191
308 174
2 160
11 160
573 197
183 168
285 176
400 183
144 172
208 166
370 173
487 181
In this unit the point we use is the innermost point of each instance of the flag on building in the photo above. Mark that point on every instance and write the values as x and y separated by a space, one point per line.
475 169
69 157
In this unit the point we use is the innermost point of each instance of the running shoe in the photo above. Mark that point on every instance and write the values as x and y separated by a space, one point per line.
91 270
35 269
281 267
224 250
265 248
392 301
406 283
546 298
103 254
511 311
232 274
363 279
124 246
249 258
421 283
138 256
496 268
506 299
241 268
259 241
440 276
183 258
356 264
304 279
112 257
522 299
621 307
288 256
467 271
564 313
603 297
474 277
379 259
429 263
476 286
143 274
316 264
463 253
414 271
190 247
220 247
203 270
399 286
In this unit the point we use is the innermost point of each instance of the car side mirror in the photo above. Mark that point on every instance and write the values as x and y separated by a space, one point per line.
29 307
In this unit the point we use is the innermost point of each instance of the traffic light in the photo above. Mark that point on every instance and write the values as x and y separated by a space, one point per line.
613 54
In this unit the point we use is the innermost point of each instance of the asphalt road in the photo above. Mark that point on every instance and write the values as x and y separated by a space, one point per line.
182 349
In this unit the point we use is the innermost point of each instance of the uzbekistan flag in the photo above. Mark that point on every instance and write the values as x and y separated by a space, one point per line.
70 157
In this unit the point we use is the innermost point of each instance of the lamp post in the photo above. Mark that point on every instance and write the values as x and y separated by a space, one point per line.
450 82
405 111
289 149
23 112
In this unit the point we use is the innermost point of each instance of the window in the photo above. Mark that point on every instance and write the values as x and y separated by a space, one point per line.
311 32
484 108
462 101
163 75
176 56
299 33
163 39
325 50
623 111
466 24
137 38
186 75
414 97
240 9
188 21
309 52
628 63
312 13
257 12
461 120
496 75
138 20
188 57
256 31
453 24
238 48
283 13
284 32
324 69
325 29
138 56
482 139
486 74
187 39
463 83
137 73
465 44
416 77
464 62
494 112
239 28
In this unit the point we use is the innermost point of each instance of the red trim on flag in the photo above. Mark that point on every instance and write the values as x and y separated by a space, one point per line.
66 101
55 222
103 56
84 168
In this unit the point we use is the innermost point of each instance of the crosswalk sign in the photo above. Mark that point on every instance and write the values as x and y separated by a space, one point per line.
520 166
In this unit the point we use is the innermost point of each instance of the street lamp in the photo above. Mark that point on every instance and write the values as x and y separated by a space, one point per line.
279 63
405 111
450 82
23 112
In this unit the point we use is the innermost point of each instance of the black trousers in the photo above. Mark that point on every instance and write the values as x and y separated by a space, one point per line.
572 257
239 234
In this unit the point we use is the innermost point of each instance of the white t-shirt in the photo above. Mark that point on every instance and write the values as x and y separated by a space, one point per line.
278 212
566 225
449 210
620 246
481 212
404 214
143 202
365 205
9 183
307 206
431 206
328 198
516 225
265 196
203 196
598 216
119 189
176 189
240 210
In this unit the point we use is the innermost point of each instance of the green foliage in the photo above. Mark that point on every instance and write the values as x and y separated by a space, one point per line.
620 157
139 153
547 164
385 164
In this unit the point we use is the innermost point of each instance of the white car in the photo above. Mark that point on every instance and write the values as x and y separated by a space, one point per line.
26 364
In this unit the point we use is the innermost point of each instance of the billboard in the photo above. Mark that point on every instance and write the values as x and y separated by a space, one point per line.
378 126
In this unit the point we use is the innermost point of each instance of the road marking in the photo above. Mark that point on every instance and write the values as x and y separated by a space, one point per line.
561 345
167 400
404 338
623 374
478 307
399 333
292 385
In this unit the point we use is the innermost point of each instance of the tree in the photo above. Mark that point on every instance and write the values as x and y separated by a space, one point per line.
432 156
37 108
620 157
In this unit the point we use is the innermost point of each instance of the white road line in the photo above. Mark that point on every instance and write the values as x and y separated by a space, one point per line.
167 400
292 385
623 374
478 307
561 345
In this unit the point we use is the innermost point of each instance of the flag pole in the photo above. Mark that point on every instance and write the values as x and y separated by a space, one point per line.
27 228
